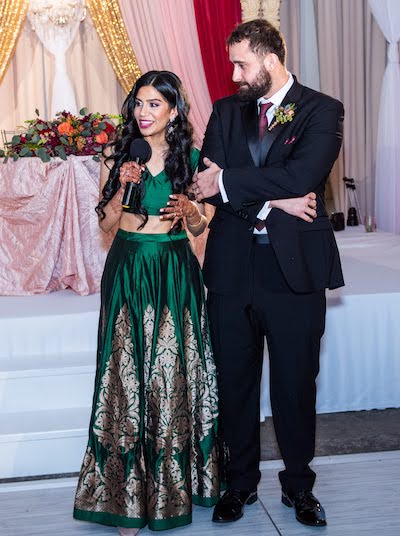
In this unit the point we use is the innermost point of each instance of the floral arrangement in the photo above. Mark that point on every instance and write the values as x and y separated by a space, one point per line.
283 114
67 134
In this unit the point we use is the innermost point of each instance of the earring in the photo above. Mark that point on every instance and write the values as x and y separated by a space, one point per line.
171 126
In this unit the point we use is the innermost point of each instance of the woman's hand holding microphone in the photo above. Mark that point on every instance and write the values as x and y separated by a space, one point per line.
130 172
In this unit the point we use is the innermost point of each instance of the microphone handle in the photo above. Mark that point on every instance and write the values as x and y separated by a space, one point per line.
130 192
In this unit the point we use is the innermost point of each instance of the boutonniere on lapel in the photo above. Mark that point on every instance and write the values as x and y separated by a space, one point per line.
282 115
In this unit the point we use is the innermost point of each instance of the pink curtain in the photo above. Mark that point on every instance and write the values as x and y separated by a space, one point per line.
164 36
49 233
142 19
215 21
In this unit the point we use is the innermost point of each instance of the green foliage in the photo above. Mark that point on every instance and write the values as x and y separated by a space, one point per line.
66 135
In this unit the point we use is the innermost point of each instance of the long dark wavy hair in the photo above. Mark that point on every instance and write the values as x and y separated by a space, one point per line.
179 136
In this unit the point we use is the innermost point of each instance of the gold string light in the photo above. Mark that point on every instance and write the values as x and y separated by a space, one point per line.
12 16
109 24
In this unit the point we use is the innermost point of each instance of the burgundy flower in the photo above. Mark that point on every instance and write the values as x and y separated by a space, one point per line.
109 127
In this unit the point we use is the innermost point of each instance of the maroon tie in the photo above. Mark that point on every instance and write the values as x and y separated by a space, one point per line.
259 225
262 118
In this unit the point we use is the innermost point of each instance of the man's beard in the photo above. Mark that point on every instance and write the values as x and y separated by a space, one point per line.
260 87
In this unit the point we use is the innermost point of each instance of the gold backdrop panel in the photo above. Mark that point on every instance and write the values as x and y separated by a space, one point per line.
12 16
109 24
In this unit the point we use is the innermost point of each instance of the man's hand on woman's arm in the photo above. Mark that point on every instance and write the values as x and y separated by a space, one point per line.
301 207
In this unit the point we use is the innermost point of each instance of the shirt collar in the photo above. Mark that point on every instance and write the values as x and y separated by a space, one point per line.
278 97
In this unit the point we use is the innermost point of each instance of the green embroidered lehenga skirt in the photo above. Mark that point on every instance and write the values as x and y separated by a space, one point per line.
152 448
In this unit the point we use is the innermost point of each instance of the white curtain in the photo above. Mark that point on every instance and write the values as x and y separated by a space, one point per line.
57 39
28 81
387 185
299 28
309 64
351 52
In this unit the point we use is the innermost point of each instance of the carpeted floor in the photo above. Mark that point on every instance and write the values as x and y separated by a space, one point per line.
344 433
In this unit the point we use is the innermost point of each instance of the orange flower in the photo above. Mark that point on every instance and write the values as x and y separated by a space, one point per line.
65 128
102 137
80 143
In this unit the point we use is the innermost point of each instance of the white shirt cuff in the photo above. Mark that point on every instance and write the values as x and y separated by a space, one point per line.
222 188
263 214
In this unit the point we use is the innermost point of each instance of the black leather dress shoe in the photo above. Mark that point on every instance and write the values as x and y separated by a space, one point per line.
308 509
231 505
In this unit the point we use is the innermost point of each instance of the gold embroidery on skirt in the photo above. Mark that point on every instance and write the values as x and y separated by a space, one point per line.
107 491
168 424
180 409
117 422
210 470
148 329
202 395
117 417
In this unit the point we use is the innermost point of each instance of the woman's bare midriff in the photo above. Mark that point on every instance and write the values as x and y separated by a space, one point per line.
131 222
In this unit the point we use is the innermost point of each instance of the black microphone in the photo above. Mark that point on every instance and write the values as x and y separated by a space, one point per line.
139 152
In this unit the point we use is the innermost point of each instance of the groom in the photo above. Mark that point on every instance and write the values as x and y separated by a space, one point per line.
266 270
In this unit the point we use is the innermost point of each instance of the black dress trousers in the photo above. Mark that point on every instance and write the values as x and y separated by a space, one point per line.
293 325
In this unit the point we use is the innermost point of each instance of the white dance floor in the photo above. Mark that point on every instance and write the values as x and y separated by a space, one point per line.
44 508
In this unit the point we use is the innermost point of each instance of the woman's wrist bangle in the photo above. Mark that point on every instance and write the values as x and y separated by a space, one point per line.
194 211
188 218
202 220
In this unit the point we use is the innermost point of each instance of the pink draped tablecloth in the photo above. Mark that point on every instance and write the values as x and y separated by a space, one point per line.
49 233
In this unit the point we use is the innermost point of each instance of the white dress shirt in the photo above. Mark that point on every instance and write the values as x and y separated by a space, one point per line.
276 100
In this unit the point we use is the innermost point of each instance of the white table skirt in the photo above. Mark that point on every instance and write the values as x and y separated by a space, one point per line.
360 352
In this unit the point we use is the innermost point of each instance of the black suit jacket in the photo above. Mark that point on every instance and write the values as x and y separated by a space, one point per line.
292 160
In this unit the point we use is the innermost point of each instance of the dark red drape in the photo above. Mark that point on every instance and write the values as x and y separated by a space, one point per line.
215 20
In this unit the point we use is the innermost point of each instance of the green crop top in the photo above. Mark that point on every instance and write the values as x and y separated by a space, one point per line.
157 189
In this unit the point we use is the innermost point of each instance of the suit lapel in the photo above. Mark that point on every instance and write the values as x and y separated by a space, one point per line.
267 141
293 95
250 122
